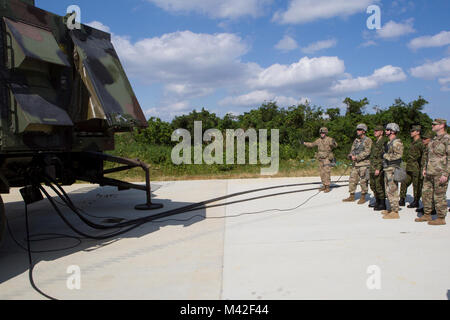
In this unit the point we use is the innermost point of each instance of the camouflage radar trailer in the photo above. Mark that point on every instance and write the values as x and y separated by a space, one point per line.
63 96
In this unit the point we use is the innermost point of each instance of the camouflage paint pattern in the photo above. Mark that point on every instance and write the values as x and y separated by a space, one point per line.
105 79
25 39
66 87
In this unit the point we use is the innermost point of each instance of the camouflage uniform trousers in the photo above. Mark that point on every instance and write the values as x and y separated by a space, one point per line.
359 175
416 179
325 172
433 190
392 190
377 185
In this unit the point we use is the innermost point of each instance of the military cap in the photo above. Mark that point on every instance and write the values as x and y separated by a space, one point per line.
324 130
440 121
428 135
363 127
416 128
379 128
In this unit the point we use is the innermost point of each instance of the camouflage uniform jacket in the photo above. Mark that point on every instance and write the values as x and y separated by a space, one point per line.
436 160
325 148
415 156
361 148
393 154
376 155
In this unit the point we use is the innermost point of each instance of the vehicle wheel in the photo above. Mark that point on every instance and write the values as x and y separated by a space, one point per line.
2 219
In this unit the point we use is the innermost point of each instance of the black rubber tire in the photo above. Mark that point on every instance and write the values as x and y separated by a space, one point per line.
2 220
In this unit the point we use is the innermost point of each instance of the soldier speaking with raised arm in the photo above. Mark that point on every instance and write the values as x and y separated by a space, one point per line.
436 168
325 157
360 155
392 161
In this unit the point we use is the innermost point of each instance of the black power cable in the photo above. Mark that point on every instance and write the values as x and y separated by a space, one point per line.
30 259
155 219
185 209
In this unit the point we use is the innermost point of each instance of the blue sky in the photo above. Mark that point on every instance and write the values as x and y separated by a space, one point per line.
233 55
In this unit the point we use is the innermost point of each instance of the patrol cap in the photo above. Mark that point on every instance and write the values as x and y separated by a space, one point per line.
363 127
428 135
440 121
379 128
416 128
324 130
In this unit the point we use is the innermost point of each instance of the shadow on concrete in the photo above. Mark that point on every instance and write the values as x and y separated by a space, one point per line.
103 203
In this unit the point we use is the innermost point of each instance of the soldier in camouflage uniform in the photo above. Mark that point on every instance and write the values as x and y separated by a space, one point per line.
426 139
392 160
413 169
436 167
360 155
324 156
376 170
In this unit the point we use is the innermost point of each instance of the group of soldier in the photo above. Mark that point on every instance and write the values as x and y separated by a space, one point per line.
379 163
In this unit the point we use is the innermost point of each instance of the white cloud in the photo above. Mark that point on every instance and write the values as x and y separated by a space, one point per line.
444 81
256 98
432 70
225 9
304 11
368 43
380 76
287 44
401 6
307 74
191 65
188 64
100 26
168 111
394 30
319 45
439 40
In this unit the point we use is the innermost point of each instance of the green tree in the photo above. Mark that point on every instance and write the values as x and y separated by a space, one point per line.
356 107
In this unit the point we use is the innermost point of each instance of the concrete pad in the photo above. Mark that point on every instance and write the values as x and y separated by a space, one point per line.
282 247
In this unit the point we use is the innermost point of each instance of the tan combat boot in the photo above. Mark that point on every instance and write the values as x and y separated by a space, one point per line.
392 216
350 199
385 212
327 189
323 188
425 218
437 222
363 199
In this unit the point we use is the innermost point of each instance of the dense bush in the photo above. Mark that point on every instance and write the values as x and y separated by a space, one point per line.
297 123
